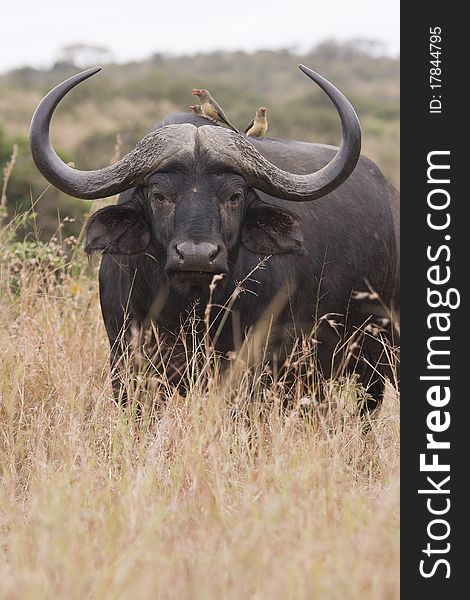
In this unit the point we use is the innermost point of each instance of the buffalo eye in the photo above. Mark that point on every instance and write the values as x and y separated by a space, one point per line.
157 196
235 198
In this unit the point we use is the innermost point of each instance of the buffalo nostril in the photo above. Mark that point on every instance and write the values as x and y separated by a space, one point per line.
213 253
179 251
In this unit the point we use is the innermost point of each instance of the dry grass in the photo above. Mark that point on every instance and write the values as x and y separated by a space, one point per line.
191 503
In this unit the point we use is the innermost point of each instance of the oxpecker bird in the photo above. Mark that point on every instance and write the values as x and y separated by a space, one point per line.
197 110
211 109
259 125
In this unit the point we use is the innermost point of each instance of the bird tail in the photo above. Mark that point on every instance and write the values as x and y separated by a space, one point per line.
232 127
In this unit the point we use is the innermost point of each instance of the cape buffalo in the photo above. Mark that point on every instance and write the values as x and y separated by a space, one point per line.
198 200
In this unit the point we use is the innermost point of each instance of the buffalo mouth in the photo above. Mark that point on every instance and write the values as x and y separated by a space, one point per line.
195 278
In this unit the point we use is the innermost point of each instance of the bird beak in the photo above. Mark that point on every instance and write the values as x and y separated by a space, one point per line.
196 92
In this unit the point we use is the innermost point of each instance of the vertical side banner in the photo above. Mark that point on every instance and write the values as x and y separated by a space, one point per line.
434 322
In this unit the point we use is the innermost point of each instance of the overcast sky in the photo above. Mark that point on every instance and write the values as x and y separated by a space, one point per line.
33 31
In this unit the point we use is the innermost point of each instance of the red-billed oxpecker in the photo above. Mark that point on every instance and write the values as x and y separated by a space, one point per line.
211 109
259 125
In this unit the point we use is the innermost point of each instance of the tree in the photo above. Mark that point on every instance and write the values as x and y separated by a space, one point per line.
84 55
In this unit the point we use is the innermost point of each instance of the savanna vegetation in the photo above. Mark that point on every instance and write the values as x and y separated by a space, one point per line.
229 491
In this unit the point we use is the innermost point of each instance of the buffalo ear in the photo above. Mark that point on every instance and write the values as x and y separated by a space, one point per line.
271 230
117 229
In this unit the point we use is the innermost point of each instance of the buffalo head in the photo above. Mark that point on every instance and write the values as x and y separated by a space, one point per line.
189 191
192 218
